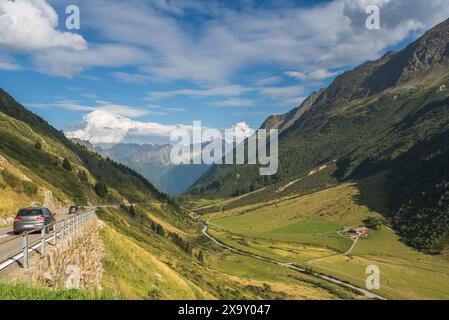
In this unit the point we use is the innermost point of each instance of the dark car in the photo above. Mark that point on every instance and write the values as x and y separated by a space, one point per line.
33 219
73 210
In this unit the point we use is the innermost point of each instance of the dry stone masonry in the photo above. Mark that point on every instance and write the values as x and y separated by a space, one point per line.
74 263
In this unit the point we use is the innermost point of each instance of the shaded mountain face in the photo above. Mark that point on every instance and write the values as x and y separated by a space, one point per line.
146 153
153 162
382 116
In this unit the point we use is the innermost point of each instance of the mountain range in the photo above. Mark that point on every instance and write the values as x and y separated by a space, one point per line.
153 162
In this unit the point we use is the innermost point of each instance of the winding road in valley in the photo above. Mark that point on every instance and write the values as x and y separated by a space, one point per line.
366 293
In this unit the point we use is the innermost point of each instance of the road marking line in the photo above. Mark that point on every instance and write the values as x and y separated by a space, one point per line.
6 235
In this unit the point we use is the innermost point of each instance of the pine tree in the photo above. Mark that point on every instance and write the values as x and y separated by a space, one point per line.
132 212
160 230
200 256
101 190
66 164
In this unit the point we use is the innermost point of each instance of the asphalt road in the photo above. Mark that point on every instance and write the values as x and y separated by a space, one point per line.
366 293
11 244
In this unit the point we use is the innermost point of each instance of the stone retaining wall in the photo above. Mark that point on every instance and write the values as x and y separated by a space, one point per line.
74 263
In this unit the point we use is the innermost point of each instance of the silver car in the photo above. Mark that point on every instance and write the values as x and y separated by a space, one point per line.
33 219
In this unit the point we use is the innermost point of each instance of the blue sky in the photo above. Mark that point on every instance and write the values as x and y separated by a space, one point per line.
137 68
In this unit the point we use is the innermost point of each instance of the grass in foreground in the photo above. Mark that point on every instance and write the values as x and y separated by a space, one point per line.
132 272
24 292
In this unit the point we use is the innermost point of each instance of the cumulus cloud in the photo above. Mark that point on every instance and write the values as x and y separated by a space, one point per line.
107 127
28 25
242 129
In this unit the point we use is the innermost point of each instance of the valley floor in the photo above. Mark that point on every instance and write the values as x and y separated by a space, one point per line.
303 231
152 268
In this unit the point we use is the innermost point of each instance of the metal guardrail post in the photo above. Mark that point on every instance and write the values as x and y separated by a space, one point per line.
63 229
55 233
25 250
43 242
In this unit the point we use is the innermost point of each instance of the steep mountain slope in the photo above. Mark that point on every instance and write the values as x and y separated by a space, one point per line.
32 148
385 115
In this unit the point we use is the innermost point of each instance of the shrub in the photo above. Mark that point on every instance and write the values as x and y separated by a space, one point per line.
10 179
30 188
373 223
82 175
38 145
101 190
66 164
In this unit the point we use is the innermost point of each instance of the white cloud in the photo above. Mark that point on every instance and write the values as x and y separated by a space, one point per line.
105 127
242 129
268 81
68 63
152 37
235 102
157 107
297 38
131 78
8 66
318 74
223 90
28 25
282 92
109 107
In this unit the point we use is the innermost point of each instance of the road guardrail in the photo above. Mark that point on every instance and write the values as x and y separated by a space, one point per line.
50 234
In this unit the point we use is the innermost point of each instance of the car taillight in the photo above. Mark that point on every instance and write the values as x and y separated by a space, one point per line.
40 218
18 219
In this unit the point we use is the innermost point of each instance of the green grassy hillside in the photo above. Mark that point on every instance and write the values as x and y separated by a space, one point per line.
146 260
31 147
304 231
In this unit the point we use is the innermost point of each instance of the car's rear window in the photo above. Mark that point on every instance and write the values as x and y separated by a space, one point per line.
29 212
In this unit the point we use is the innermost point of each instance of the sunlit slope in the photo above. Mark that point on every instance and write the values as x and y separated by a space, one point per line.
35 153
303 230
142 263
